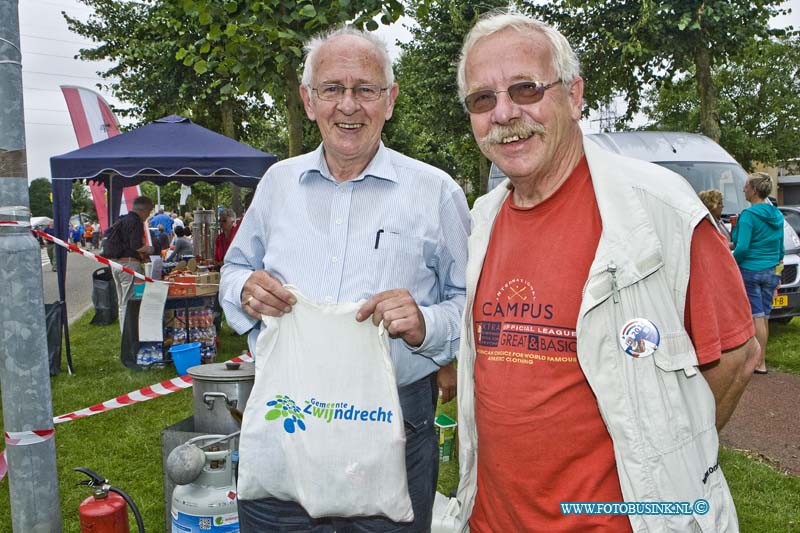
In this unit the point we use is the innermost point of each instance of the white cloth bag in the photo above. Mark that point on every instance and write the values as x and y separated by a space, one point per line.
323 425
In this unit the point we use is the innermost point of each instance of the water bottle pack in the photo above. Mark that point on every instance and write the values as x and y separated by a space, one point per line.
150 354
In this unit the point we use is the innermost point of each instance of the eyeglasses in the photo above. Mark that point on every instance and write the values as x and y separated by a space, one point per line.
334 92
522 93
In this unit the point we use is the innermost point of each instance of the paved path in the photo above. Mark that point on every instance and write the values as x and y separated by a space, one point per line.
78 287
766 420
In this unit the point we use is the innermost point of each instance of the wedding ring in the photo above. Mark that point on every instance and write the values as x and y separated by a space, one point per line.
247 302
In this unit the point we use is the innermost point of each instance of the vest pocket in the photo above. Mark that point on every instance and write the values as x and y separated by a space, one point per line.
675 353
665 393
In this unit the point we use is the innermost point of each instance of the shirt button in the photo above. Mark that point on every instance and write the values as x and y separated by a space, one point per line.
338 221
334 259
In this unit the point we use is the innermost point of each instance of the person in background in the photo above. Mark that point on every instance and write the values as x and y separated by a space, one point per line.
126 244
161 240
758 250
75 235
51 248
89 234
594 365
356 220
712 199
183 246
96 237
82 231
177 221
228 227
162 219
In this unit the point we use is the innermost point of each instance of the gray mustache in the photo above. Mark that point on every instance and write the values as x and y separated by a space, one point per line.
521 129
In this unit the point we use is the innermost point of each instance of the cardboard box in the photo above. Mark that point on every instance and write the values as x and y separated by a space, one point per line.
446 431
201 284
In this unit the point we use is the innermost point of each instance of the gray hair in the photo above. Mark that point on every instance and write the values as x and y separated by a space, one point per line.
313 46
761 184
565 61
227 213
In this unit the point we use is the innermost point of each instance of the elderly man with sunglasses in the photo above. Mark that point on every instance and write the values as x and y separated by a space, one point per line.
356 220
606 331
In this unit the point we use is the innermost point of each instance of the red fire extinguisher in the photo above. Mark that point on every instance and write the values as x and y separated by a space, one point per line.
105 511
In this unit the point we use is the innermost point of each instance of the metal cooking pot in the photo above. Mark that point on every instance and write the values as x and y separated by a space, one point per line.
219 389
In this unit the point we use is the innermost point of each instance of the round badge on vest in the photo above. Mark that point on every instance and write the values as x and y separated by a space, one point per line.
639 338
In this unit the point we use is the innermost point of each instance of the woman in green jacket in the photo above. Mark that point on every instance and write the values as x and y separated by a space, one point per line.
758 240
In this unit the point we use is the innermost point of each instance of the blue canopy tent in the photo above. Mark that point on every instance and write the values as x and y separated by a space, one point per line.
172 148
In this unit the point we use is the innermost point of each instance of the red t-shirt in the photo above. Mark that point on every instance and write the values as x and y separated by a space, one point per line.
541 438
222 243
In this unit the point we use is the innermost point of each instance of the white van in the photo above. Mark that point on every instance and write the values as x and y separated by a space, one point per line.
705 165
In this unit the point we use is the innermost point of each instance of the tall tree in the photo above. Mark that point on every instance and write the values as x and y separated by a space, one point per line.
759 102
39 195
142 40
258 44
430 122
626 46
82 199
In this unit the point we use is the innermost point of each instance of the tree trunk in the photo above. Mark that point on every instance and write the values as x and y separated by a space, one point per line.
483 171
295 114
229 130
707 91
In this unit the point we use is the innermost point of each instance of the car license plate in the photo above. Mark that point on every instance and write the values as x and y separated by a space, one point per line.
780 301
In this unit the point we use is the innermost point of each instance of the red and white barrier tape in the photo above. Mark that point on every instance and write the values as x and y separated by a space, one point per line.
98 258
26 438
21 438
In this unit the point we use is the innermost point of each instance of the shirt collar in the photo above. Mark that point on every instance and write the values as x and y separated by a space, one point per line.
379 167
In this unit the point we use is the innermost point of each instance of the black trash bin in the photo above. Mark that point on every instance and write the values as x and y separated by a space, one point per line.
104 297
53 314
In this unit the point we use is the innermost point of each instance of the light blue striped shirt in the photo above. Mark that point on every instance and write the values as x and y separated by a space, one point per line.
320 236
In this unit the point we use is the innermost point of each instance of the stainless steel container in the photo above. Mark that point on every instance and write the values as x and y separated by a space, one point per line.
204 233
218 389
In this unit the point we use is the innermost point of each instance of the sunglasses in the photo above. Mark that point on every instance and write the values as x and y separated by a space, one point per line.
522 93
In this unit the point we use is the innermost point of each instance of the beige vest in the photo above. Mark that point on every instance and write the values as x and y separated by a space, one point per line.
659 410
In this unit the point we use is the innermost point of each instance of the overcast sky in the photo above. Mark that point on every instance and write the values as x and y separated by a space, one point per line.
48 48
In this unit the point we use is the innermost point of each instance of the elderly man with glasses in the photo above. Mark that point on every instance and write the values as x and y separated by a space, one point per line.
606 332
356 220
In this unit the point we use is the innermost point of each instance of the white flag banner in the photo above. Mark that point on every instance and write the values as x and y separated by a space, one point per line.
186 190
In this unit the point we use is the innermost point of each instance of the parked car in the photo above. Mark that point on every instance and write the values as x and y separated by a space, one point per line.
791 214
705 165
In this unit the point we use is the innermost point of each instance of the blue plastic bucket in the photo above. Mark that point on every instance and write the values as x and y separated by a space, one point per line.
185 356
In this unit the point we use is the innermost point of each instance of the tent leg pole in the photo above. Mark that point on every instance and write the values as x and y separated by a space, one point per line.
66 338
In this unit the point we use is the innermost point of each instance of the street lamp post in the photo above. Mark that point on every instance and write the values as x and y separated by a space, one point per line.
24 365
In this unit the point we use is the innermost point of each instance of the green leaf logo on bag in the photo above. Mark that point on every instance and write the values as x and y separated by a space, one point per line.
294 417
284 407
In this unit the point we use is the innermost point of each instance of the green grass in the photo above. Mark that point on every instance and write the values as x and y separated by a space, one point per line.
124 445
783 347
766 499
448 471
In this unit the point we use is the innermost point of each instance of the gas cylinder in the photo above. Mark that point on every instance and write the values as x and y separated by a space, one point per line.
104 512
208 504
